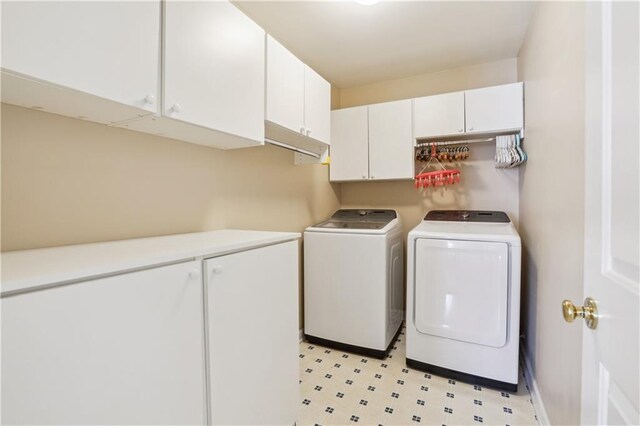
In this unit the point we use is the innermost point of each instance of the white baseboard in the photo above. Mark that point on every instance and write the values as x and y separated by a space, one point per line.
301 335
536 398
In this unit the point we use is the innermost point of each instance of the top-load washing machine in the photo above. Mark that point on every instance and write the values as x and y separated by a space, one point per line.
463 297
353 281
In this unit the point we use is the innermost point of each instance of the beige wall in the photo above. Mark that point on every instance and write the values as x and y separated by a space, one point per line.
483 186
67 181
471 77
551 63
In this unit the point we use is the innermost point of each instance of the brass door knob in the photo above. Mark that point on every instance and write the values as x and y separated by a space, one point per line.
589 312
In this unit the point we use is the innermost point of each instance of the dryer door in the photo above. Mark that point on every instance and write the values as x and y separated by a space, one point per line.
461 290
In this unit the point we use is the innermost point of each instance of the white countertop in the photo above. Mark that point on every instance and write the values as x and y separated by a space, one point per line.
25 269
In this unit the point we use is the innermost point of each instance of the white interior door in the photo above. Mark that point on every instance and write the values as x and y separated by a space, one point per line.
610 383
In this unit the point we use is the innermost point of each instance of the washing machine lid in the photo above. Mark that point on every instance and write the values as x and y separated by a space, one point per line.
363 220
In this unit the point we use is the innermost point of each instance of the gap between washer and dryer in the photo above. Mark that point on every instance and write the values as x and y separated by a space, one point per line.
343 388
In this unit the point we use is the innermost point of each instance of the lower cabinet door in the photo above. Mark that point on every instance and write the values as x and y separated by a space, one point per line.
127 349
253 336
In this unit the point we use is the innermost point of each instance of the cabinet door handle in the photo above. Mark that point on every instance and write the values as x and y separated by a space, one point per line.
302 130
175 108
471 129
149 99
460 130
217 270
308 132
364 176
194 274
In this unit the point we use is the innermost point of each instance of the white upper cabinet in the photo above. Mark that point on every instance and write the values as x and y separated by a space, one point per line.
285 87
439 115
108 50
373 142
391 141
494 108
349 144
100 61
214 58
317 106
298 99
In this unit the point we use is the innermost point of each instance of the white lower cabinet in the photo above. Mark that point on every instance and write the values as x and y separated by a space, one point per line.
252 309
204 341
127 349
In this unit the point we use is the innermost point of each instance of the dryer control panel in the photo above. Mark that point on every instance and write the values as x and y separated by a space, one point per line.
467 216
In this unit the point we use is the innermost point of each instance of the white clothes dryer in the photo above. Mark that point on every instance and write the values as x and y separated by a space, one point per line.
463 297
353 281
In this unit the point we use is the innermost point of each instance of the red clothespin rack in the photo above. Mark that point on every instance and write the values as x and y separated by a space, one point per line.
438 177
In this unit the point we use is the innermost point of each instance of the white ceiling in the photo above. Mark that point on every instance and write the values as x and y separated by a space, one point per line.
351 44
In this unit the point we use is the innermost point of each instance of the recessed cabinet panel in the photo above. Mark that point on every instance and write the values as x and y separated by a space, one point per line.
253 336
106 49
439 115
285 87
391 141
494 108
127 349
317 106
349 144
445 295
214 68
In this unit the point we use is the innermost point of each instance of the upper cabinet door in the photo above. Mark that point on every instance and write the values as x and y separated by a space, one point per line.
107 49
214 68
439 115
494 108
349 144
317 106
391 140
285 87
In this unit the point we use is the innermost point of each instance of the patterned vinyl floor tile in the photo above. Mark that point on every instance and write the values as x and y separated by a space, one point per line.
339 388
